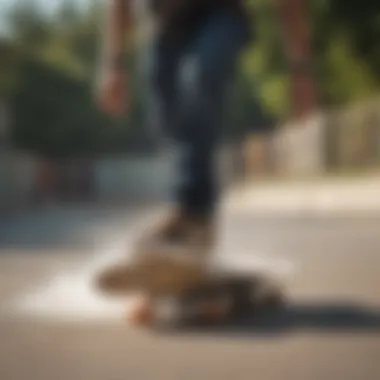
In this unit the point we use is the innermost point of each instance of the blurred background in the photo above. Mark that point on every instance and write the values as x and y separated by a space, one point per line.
305 104
300 156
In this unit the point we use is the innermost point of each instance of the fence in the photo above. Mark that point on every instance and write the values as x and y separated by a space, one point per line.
346 139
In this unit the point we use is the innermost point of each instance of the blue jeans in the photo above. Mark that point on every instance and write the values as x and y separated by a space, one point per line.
191 78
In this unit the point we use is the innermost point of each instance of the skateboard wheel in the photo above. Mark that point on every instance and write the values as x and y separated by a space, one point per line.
141 314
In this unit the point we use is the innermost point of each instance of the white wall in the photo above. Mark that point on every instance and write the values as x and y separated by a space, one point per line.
128 178
149 178
300 147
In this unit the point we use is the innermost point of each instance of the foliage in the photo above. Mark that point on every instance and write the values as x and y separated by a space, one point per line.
49 64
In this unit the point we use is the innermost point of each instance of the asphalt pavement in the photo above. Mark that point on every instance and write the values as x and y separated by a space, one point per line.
330 329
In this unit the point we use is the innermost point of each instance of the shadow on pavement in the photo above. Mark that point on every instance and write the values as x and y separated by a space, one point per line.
323 318
65 227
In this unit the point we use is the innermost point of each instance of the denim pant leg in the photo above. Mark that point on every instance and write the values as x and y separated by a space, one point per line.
191 80
205 73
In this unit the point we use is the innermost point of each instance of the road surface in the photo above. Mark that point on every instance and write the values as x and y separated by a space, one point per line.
330 330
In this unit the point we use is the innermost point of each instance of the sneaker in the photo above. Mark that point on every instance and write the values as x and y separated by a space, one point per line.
182 229
169 258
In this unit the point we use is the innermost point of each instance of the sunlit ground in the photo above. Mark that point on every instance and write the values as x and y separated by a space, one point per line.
71 296
53 320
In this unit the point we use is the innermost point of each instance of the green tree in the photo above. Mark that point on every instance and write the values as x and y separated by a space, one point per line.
54 110
48 69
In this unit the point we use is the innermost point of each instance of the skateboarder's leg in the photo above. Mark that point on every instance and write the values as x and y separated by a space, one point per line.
166 62
192 80
167 57
205 75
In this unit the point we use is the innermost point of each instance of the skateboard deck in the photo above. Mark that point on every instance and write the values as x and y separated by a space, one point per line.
219 300
157 268
178 289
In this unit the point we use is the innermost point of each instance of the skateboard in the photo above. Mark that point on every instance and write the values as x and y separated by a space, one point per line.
178 292
217 301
